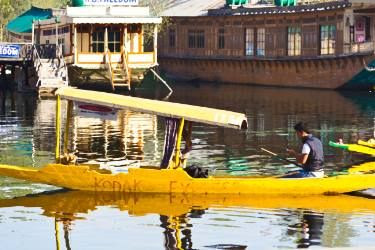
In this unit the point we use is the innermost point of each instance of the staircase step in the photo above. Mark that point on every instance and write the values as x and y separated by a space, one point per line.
121 84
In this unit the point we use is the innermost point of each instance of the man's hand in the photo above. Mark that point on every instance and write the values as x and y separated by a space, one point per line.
291 152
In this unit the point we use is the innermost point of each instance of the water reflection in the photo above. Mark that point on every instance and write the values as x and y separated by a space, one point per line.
309 230
131 136
184 219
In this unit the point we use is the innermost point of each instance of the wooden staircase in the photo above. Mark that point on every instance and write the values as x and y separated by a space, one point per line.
50 68
120 72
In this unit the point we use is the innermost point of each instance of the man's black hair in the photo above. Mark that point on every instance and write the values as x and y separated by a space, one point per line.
301 127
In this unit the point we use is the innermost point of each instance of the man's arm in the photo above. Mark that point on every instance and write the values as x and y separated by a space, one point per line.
301 158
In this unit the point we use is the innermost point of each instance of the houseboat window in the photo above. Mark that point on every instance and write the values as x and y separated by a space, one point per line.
172 38
221 39
327 39
64 30
49 32
249 42
200 39
261 42
134 28
97 40
368 28
191 39
114 39
294 41
196 39
362 29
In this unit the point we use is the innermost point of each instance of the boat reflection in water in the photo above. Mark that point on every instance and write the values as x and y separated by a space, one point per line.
125 138
309 220
116 138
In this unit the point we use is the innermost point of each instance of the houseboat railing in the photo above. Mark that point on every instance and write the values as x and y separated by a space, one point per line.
46 51
304 2
37 62
108 60
124 58
60 57
356 48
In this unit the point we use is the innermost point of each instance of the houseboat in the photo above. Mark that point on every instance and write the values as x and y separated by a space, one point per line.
99 41
311 44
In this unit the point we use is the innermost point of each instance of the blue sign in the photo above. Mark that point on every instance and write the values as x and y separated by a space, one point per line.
9 51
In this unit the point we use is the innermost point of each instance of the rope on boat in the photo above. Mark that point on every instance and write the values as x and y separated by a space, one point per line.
369 69
164 82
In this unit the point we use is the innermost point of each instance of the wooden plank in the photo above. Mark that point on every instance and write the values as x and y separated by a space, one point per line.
167 109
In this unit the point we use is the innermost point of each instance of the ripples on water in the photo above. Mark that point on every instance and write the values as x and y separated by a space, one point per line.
27 132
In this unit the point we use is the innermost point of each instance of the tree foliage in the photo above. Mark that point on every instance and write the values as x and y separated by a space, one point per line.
10 9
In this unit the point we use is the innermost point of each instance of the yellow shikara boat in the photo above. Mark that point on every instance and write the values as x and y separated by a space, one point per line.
359 148
370 143
173 179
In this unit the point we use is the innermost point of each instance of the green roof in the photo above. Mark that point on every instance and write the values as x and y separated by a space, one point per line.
23 23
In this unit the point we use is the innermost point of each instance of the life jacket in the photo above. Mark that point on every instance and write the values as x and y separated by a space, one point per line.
315 160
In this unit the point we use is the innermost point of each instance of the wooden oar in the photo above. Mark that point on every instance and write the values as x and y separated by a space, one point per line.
281 158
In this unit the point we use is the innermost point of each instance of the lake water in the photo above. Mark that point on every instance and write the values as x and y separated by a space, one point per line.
78 220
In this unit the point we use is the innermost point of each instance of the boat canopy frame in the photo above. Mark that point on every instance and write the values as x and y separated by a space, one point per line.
180 111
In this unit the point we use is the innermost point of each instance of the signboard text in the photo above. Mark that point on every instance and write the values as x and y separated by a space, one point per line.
10 51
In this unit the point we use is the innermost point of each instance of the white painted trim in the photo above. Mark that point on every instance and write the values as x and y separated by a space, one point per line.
114 20
94 11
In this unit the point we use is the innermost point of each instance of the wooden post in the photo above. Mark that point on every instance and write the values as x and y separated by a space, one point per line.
75 45
178 143
32 33
155 44
90 37
67 126
1 32
140 40
125 38
105 39
57 36
58 120
25 69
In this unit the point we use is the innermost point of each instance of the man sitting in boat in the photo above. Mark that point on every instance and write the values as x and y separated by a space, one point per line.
311 157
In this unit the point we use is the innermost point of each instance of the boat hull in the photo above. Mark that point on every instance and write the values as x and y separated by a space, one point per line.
140 180
345 72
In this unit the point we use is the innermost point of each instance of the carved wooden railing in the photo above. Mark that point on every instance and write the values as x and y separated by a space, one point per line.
357 48
108 60
60 57
125 62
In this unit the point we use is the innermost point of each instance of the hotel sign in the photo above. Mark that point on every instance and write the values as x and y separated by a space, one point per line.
105 2
10 51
